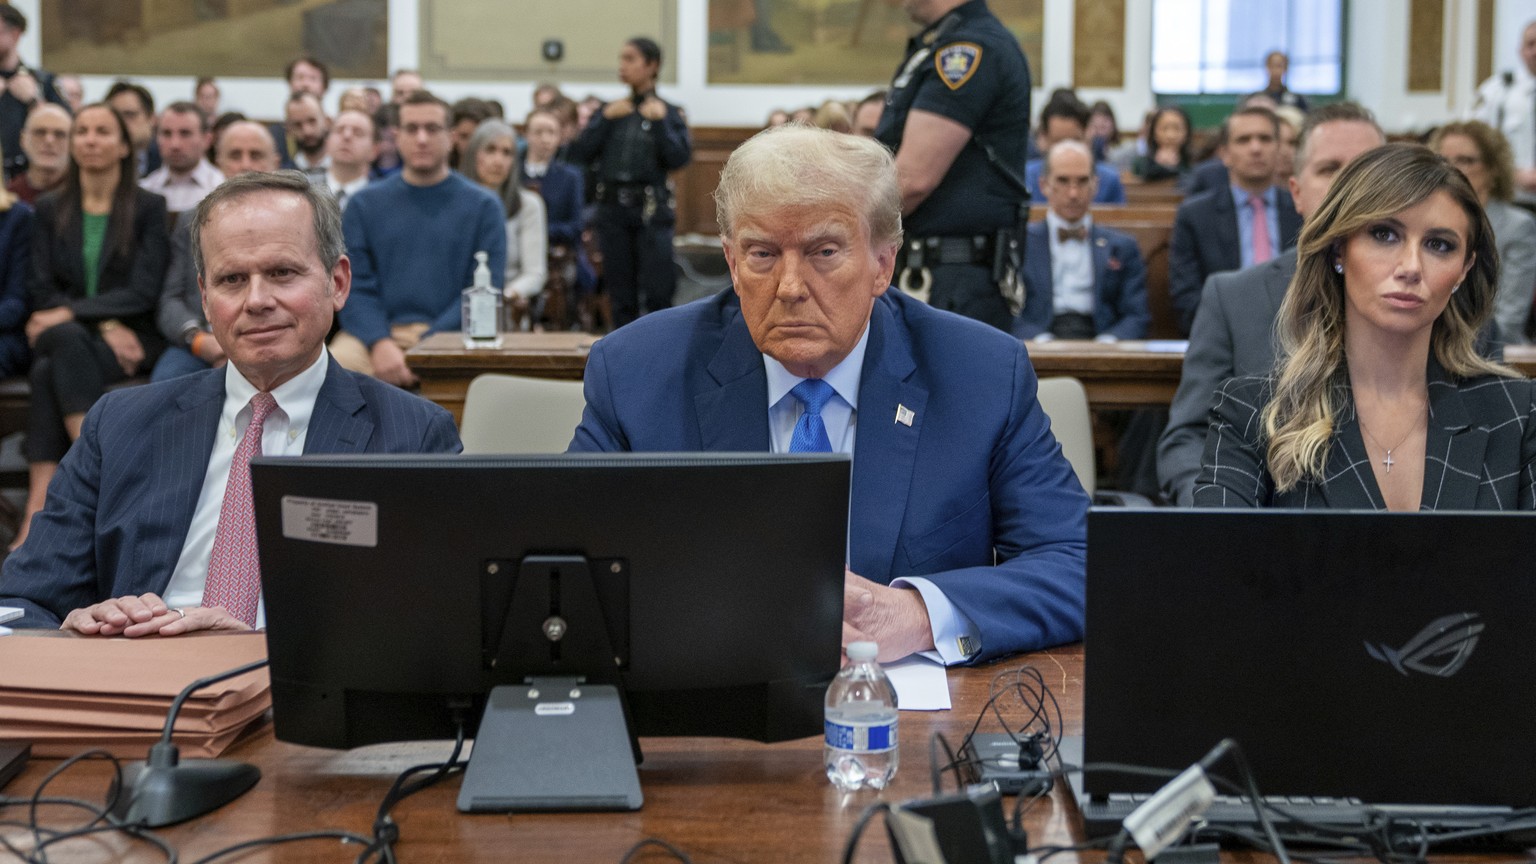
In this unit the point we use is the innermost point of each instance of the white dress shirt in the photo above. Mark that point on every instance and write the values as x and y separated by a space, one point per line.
1071 266
840 416
344 191
282 435
183 193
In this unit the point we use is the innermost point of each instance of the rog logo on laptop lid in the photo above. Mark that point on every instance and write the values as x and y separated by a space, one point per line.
1440 649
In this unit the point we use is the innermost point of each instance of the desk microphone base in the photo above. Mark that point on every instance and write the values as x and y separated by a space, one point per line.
555 744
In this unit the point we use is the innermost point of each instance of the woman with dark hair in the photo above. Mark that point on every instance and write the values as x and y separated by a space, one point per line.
1482 153
99 253
631 144
1168 153
490 159
16 226
1381 399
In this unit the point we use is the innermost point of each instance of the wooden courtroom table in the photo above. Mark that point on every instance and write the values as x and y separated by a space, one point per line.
718 800
1126 374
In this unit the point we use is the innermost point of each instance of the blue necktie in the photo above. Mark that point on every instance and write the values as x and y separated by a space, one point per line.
810 433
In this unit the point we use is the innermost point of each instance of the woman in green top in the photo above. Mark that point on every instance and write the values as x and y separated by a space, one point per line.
99 253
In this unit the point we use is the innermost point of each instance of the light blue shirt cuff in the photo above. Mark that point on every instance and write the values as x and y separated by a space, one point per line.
952 628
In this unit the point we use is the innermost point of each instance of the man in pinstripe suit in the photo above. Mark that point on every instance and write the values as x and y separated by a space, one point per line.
138 516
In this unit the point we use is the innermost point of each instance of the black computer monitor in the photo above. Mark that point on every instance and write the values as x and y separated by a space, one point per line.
696 594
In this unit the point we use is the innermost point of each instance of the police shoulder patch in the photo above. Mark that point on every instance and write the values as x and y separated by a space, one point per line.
956 63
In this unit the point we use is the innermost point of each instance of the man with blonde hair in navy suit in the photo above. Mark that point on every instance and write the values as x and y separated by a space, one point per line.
149 527
966 524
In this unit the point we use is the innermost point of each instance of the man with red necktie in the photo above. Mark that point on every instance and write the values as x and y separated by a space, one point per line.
148 528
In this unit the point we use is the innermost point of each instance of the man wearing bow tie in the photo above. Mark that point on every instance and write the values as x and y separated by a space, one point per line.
1081 281
966 528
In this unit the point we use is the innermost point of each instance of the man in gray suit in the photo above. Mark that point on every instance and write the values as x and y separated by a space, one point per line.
1234 334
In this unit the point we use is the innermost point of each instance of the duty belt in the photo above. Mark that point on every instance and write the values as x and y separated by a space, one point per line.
925 252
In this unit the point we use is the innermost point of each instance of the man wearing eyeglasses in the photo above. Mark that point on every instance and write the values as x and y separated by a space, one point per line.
412 239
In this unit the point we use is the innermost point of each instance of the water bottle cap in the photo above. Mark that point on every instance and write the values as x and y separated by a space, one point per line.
862 651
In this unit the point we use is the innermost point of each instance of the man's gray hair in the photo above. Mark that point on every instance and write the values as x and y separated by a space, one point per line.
329 243
1070 144
805 167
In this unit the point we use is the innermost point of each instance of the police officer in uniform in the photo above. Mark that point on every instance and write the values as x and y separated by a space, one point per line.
631 144
1507 102
958 119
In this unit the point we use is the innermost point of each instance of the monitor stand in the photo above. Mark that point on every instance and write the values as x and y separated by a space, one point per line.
552 744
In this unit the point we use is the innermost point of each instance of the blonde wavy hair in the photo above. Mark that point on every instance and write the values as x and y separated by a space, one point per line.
1313 379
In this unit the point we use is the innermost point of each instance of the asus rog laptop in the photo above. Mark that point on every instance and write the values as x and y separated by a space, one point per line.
1357 657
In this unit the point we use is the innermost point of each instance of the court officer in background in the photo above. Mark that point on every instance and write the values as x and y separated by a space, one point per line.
957 118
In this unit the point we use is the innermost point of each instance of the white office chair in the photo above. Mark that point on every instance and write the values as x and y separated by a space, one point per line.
1066 402
512 414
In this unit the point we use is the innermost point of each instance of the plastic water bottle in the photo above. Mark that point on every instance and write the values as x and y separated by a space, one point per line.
861 744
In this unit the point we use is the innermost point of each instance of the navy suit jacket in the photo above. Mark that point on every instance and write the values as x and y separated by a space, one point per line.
1119 280
119 508
976 473
1206 240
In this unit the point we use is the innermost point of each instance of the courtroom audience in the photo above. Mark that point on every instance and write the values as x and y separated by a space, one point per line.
1483 154
1382 399
1233 227
833 115
98 260
306 74
22 84
72 90
1169 146
16 227
1065 118
45 140
136 106
866 114
1234 332
190 344
388 161
306 127
562 187
185 174
403 83
350 147
1276 64
206 94
412 238
1104 135
1290 127
490 159
467 115
1081 280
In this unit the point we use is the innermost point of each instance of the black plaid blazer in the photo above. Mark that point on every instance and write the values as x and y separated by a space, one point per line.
1480 450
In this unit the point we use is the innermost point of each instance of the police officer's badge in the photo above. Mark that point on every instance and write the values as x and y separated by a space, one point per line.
957 63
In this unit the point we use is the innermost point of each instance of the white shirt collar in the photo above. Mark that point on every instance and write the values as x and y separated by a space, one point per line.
1053 223
844 377
295 397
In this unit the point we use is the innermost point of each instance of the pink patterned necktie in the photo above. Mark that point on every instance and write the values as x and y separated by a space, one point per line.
234 573
1261 250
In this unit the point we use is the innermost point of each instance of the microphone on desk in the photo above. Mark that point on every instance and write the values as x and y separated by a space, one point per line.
164 790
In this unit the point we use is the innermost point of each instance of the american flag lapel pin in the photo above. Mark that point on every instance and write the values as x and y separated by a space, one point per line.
904 415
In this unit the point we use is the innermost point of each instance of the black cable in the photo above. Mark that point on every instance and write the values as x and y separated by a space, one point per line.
186 693
279 839
100 821
858 829
660 844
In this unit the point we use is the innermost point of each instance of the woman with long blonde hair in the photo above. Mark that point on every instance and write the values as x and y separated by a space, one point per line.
1381 399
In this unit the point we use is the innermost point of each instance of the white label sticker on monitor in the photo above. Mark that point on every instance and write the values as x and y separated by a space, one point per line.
326 520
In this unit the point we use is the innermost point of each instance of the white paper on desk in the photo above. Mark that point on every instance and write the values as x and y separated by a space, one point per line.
921 684
1165 346
10 613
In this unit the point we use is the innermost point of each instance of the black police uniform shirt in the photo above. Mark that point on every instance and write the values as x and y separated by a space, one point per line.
966 67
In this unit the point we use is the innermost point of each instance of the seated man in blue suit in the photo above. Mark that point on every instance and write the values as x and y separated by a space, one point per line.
966 533
1081 281
148 525
1065 118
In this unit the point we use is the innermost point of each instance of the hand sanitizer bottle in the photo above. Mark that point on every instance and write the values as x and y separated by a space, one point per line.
482 309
